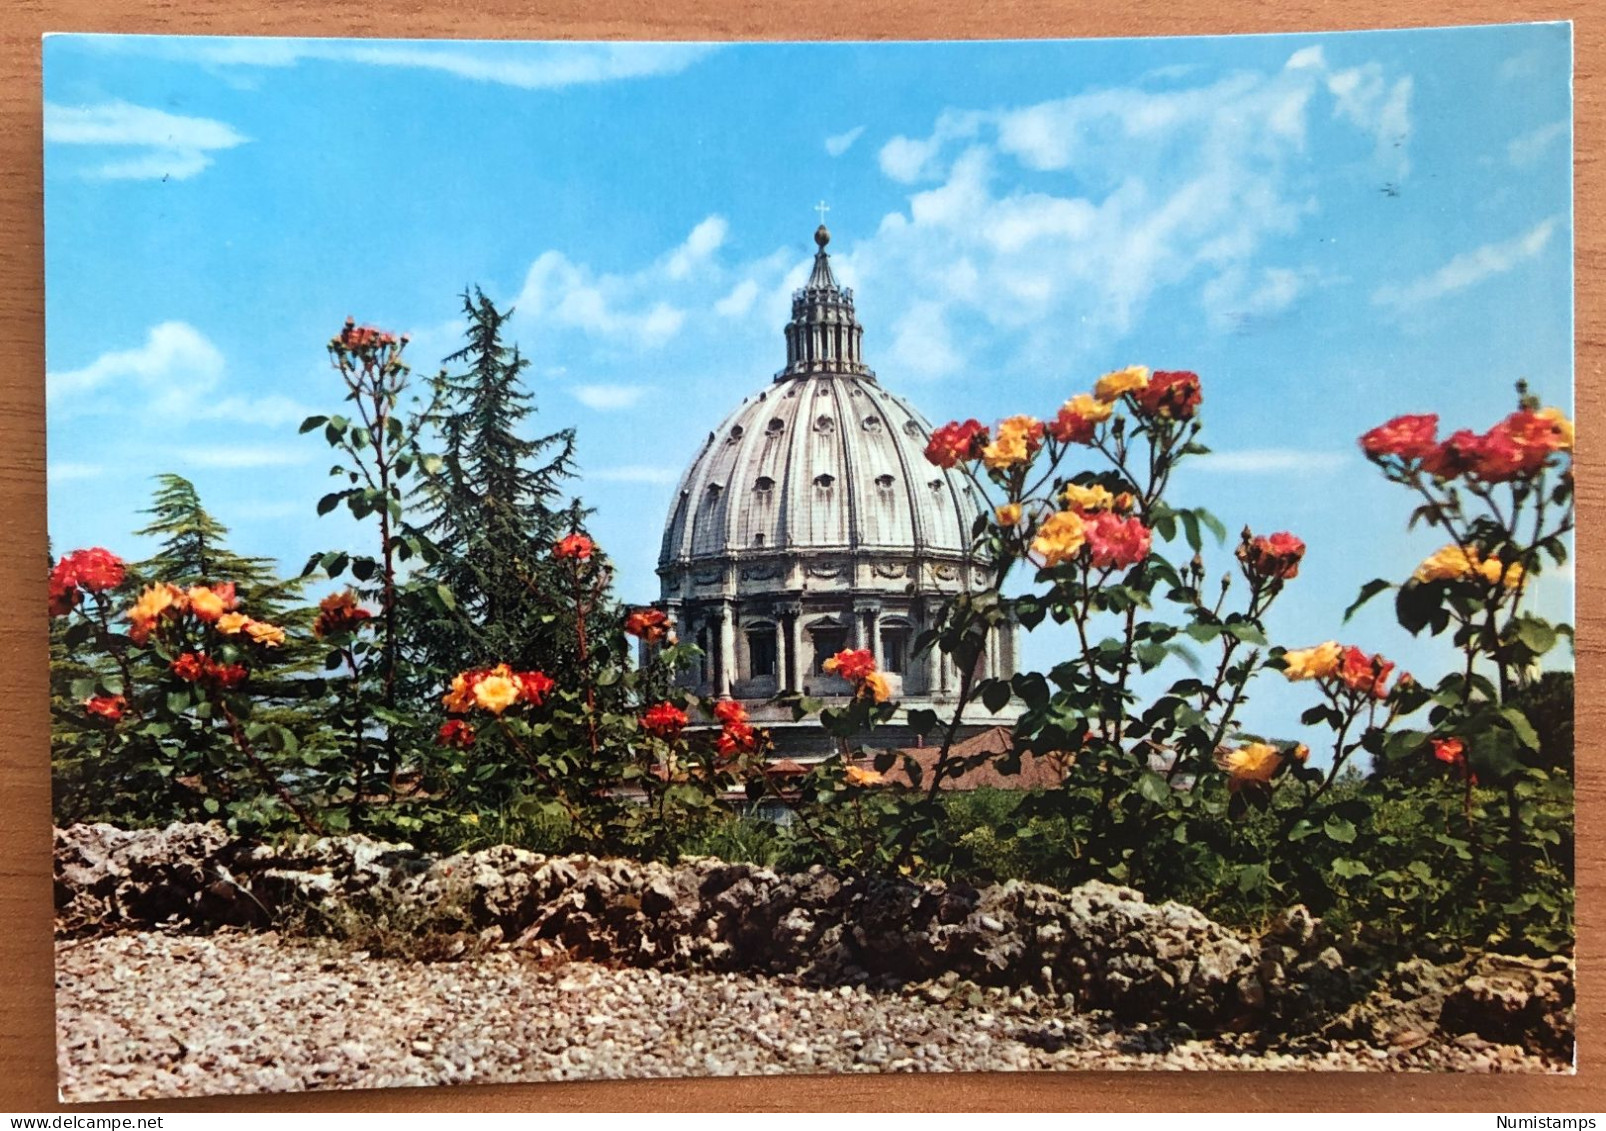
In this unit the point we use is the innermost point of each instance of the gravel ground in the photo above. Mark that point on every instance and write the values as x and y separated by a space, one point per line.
143 1015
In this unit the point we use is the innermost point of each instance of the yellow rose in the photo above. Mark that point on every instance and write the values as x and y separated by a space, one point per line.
1254 763
270 635
204 603
1564 427
876 687
859 776
1494 571
155 601
460 699
1088 500
1113 386
1090 408
1450 563
1320 662
1008 514
230 624
1018 437
1060 538
497 691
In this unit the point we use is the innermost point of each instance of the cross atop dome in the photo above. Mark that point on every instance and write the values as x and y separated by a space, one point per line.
822 208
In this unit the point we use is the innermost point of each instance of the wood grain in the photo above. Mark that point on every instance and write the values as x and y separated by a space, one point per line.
27 1069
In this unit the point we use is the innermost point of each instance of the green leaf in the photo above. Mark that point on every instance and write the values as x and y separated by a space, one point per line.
1349 869
330 501
922 720
995 693
1247 631
1340 830
1153 787
1521 727
1537 634
312 422
1371 589
447 597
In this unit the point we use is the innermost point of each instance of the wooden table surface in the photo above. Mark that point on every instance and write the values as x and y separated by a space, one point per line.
27 1067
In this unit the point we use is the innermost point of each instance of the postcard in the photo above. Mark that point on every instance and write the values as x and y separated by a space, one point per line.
603 560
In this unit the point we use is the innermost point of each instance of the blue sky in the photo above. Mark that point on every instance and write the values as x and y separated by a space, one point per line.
1330 229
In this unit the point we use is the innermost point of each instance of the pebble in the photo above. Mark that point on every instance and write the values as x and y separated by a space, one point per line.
301 1015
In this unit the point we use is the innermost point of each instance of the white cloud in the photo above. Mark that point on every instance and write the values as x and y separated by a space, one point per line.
921 343
1530 147
636 473
1366 98
610 398
178 371
66 472
1468 268
547 66
175 354
1239 298
739 301
1049 229
168 145
240 457
558 290
704 240
1259 461
838 144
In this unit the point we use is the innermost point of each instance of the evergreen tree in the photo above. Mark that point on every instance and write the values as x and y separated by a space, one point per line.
495 509
193 550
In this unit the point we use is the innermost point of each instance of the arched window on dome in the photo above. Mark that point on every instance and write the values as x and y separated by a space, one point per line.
775 427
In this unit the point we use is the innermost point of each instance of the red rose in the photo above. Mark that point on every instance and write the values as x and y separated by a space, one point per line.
64 596
1408 437
736 738
95 570
534 686
851 664
664 719
649 624
337 613
955 443
1115 542
1275 556
189 667
1456 456
456 733
576 546
1363 673
1173 394
226 675
106 706
730 712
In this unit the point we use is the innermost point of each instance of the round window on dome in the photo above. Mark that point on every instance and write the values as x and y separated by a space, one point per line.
824 480
872 424
736 433
775 427
825 424
910 428
763 484
885 482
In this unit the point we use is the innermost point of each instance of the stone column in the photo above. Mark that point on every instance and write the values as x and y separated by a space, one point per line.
727 649
780 653
866 634
789 619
